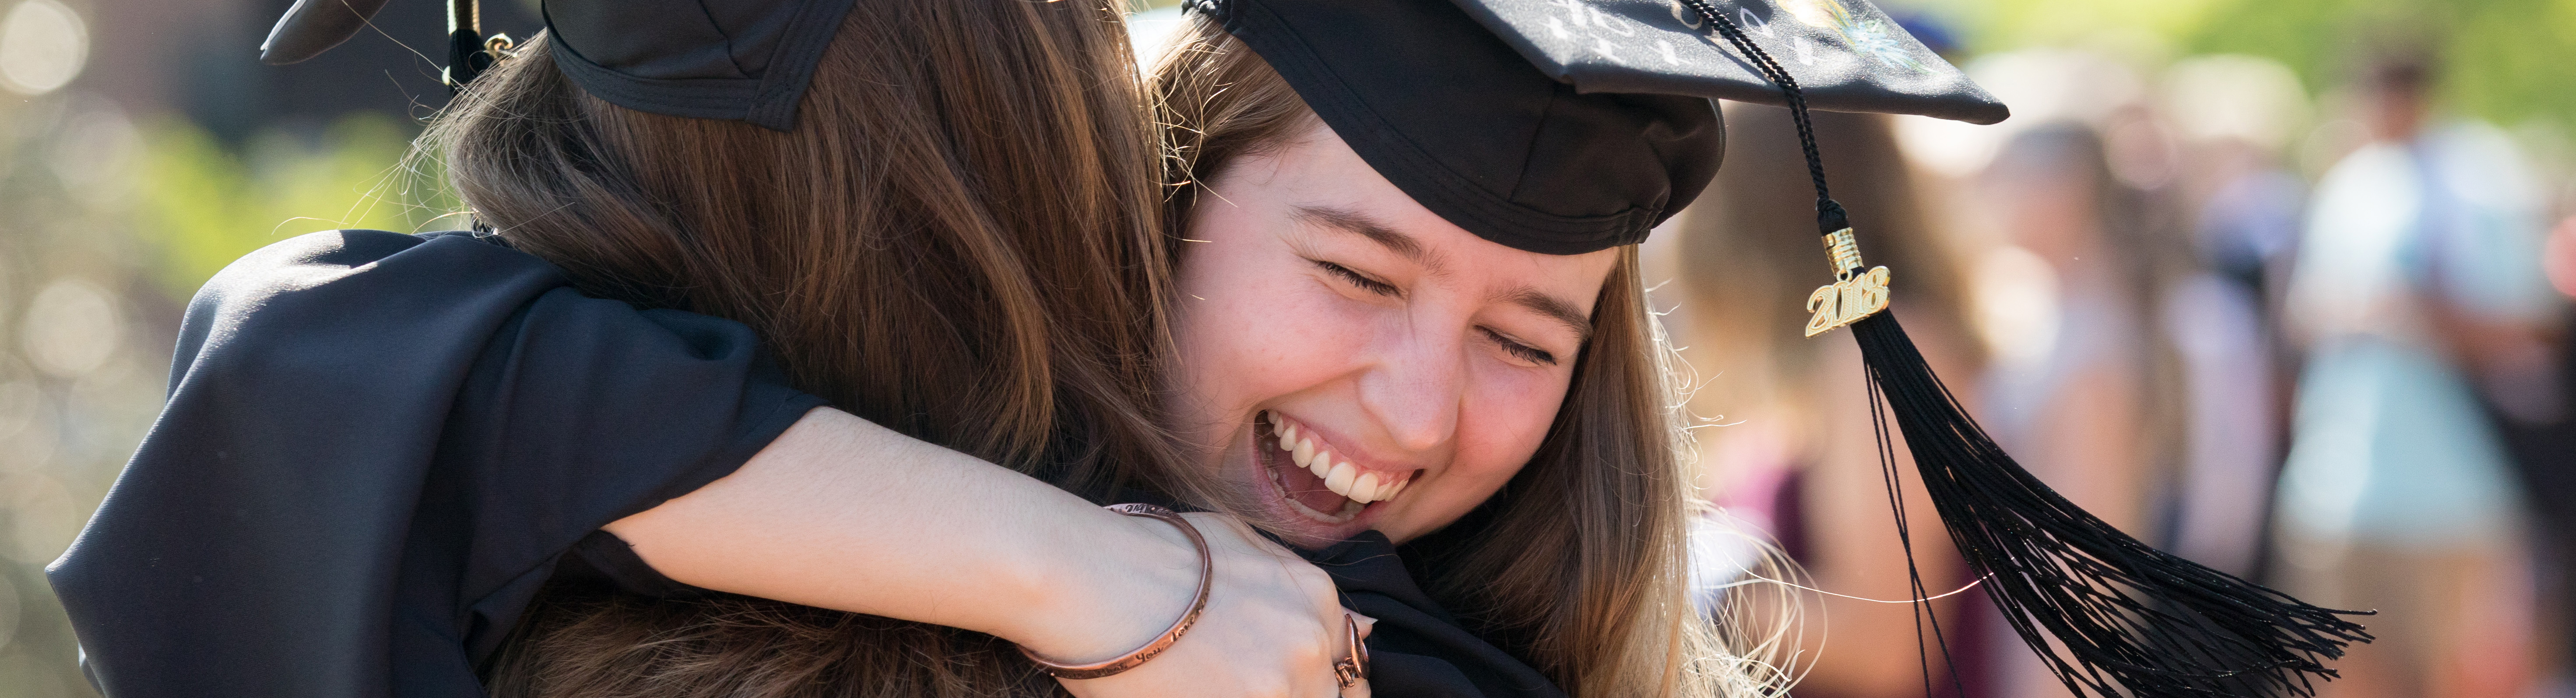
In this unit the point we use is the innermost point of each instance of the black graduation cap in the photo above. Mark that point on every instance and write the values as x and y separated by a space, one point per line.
1568 126
745 60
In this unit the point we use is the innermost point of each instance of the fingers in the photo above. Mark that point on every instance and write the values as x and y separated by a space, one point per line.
1289 606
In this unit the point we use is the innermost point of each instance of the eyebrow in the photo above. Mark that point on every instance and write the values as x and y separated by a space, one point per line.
1350 221
1553 308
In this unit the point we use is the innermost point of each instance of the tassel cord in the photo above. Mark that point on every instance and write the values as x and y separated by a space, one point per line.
1888 472
1796 98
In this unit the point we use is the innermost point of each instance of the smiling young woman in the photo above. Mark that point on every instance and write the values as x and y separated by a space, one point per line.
1537 461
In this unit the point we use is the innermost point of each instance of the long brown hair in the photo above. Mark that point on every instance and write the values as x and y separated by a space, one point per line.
1579 564
958 240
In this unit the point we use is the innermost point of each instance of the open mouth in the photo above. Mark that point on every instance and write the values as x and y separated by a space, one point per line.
1314 481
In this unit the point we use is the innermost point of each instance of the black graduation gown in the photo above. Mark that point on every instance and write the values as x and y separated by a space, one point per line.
378 447
375 449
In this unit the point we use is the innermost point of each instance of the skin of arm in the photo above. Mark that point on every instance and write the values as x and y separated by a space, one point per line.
844 514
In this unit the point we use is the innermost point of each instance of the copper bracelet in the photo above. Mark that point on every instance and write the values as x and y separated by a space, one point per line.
1207 577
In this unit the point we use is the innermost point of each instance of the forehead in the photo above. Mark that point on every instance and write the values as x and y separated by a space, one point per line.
1316 166
1319 189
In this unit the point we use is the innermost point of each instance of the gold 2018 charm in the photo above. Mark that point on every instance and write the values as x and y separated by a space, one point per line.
1847 301
1853 295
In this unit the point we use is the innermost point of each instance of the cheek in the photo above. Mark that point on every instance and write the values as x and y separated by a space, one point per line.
1504 417
1253 326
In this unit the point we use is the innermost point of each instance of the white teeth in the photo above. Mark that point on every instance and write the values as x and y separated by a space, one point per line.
1365 489
1343 478
1339 480
1286 430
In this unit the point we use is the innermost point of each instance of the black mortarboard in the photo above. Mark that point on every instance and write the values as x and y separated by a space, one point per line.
746 60
1453 117
1611 135
1568 126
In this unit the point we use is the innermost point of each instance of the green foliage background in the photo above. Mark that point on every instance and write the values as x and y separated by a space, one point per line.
2509 61
205 204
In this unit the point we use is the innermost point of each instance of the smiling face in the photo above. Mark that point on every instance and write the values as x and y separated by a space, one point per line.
1409 367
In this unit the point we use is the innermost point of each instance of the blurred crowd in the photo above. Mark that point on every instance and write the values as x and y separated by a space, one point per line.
2305 325
2316 342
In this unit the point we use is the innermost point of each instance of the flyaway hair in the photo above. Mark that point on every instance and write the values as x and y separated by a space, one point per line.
2128 619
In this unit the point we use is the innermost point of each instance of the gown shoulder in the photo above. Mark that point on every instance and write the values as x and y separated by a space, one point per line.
375 448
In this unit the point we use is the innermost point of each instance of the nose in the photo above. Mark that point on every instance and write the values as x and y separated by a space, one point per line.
1414 390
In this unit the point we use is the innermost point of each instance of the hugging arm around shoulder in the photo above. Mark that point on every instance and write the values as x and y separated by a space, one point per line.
375 448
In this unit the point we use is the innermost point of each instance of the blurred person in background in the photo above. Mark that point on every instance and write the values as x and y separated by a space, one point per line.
2234 115
2416 288
2546 451
2076 397
1794 451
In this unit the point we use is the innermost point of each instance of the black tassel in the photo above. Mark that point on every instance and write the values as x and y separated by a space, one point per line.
2133 620
2128 619
469 53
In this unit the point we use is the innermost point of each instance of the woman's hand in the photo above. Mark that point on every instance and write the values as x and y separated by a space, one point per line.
1273 626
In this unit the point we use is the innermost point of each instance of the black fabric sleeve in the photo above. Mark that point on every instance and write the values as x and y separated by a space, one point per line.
582 412
603 561
374 448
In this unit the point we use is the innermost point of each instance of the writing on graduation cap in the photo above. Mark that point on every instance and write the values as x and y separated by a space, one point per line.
1853 295
1861 33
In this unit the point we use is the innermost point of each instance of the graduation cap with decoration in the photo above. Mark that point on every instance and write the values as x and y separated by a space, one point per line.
1569 126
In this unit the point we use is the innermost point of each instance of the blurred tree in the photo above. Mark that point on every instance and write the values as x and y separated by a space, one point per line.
205 205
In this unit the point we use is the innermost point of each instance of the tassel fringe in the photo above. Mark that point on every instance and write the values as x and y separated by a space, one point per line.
2132 620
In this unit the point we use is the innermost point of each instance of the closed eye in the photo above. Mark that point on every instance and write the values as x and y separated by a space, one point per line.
1361 280
1515 348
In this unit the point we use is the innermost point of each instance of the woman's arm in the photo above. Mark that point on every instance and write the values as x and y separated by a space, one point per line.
841 513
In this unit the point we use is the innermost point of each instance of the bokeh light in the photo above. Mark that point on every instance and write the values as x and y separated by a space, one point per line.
71 328
43 45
